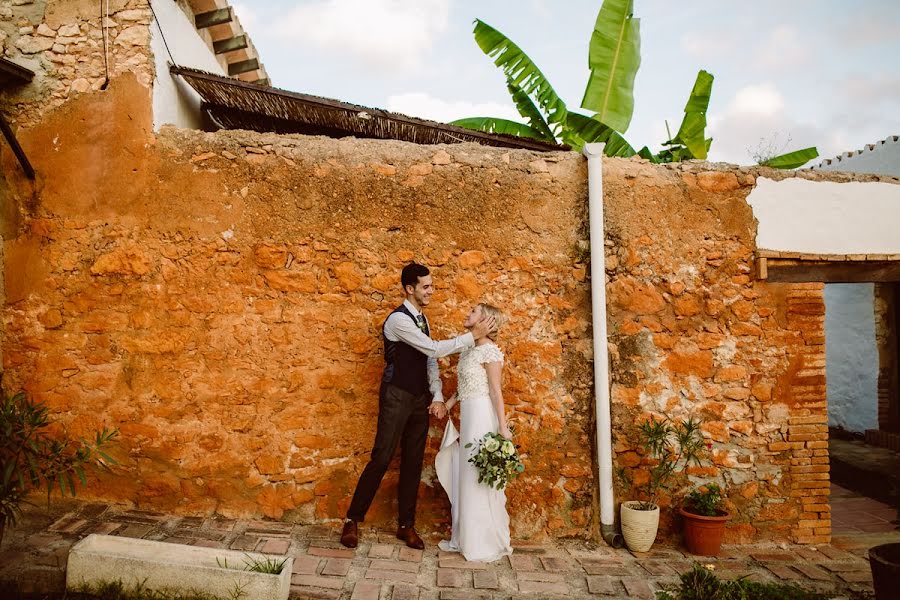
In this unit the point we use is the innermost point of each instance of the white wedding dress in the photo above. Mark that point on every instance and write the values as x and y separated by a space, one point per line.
480 520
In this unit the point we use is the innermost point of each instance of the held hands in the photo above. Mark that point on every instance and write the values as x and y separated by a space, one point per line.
484 327
438 409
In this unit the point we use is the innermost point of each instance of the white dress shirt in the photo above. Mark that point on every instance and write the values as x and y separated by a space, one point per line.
400 328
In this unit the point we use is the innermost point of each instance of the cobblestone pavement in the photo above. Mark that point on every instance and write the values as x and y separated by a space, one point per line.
34 553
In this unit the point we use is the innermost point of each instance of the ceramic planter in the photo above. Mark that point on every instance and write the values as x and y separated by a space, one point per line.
703 535
639 526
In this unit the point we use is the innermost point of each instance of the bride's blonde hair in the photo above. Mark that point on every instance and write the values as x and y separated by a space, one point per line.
489 310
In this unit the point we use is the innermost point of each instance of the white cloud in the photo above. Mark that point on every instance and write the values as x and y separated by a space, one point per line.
425 106
782 50
756 118
762 99
389 35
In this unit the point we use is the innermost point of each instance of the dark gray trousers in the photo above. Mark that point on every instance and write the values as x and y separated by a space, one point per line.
403 420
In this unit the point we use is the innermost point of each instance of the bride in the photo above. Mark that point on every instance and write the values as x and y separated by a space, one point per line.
478 512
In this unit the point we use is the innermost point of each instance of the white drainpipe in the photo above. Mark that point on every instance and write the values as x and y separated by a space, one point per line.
594 153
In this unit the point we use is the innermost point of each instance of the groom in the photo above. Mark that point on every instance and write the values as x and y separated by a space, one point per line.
410 380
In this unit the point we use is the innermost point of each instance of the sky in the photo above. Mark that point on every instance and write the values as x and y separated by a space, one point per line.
788 73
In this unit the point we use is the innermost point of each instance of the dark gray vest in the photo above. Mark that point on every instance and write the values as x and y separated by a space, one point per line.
404 366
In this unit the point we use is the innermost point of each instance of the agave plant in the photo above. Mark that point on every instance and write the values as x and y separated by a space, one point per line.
614 58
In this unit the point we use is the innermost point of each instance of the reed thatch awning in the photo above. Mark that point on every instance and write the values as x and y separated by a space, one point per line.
237 104
12 74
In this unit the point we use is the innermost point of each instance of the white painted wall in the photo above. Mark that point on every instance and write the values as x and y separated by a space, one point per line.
824 217
880 158
821 217
851 356
174 101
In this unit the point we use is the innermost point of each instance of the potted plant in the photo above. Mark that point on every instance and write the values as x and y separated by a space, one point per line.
669 446
884 561
704 520
31 458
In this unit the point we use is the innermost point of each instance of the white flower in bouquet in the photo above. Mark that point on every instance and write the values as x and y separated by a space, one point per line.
496 459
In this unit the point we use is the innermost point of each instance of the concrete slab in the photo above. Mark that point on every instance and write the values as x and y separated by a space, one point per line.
164 566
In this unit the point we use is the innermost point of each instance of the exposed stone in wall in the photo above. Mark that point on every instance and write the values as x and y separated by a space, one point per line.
218 297
62 42
886 338
693 334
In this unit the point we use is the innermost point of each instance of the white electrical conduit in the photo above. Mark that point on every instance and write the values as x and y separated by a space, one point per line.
594 153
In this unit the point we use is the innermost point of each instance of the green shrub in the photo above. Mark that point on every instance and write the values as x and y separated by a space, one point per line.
701 584
31 458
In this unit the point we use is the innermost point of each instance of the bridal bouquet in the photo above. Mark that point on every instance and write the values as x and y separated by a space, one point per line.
497 460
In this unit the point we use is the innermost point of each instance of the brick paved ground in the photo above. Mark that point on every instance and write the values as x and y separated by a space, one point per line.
35 553
852 513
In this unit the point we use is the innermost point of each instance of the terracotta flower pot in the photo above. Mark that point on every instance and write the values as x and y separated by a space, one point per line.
639 526
703 535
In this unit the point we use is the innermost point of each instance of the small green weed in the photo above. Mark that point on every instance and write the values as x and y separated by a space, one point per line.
261 565
266 565
701 584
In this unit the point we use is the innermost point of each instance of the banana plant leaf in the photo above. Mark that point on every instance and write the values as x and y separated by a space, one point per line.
528 110
647 154
580 130
792 160
520 70
692 133
497 125
614 59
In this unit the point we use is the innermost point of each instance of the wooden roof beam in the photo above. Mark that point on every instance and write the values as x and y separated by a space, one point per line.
243 66
214 17
238 42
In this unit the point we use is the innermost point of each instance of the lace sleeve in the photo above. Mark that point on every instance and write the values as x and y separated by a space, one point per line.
490 353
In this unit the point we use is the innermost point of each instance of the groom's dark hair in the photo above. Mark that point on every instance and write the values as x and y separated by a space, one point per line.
411 274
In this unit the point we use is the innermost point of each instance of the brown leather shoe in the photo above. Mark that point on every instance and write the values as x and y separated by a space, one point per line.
409 535
350 535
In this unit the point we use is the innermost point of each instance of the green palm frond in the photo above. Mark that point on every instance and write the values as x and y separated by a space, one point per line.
497 125
580 130
692 133
520 70
792 160
528 110
614 59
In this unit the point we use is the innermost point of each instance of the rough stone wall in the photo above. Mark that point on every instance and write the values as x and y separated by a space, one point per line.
218 298
886 337
62 42
694 334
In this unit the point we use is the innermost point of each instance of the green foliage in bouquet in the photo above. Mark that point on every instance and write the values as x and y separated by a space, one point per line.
497 460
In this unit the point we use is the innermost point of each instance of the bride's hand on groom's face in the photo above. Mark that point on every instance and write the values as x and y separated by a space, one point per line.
484 327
